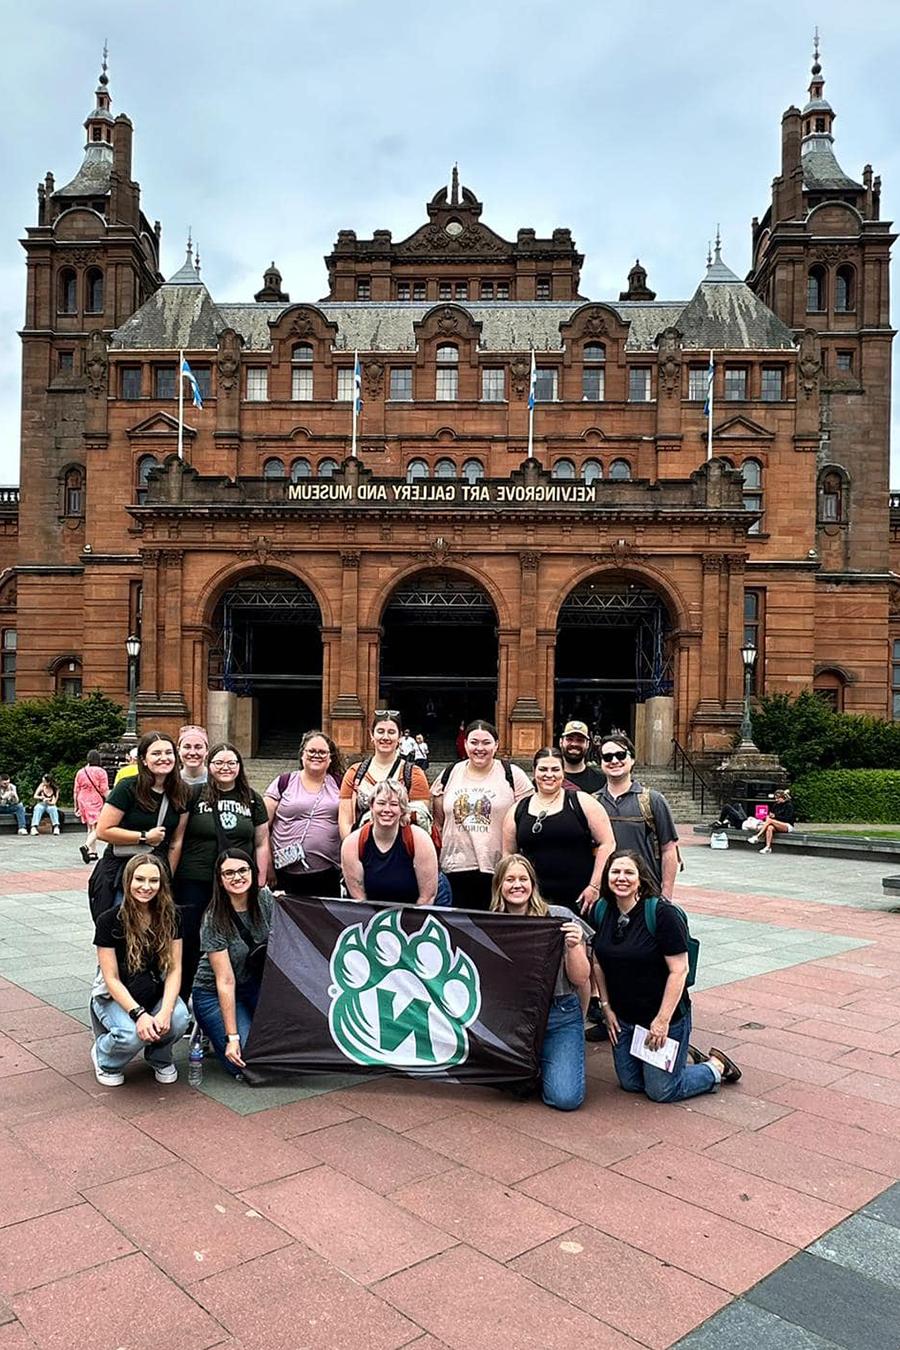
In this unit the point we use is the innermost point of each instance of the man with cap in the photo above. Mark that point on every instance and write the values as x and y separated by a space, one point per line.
574 743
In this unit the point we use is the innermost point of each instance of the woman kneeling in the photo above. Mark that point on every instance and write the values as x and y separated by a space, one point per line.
515 891
641 978
134 1003
233 935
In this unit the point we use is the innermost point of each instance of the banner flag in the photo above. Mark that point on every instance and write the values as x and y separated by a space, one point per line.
449 994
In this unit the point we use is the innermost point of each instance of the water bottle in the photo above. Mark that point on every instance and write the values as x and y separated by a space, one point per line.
195 1059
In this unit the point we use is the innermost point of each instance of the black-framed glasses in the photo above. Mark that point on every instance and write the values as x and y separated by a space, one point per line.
539 822
225 764
387 712
234 873
614 756
317 754
622 922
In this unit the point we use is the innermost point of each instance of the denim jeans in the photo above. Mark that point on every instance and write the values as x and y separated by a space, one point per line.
685 1080
18 811
208 1013
562 1055
42 808
118 1041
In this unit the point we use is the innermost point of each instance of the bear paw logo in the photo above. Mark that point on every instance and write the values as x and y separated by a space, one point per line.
399 1001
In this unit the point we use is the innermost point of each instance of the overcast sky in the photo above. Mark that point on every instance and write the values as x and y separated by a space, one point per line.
268 127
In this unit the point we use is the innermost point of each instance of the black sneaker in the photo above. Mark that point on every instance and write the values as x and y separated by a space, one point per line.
597 1032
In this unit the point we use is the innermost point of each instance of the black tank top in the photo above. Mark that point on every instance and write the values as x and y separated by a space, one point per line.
561 853
389 876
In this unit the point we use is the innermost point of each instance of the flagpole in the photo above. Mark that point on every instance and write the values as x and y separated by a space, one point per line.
709 420
181 405
531 409
355 402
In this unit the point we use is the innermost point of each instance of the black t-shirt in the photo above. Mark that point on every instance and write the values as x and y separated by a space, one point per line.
635 968
146 985
588 780
137 817
238 824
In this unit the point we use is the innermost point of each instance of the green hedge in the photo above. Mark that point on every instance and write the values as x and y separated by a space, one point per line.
807 736
54 735
870 796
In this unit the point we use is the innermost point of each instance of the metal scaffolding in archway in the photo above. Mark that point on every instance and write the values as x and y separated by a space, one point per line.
631 607
280 599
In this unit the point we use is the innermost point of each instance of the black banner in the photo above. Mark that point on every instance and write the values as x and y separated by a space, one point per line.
439 993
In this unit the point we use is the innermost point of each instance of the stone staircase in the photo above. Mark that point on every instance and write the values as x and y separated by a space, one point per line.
260 772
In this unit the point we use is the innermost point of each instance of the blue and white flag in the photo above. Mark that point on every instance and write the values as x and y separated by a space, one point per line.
188 374
357 384
531 386
710 374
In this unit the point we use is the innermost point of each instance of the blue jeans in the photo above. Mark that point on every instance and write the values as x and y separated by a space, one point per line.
208 1013
118 1041
685 1080
18 811
562 1055
41 809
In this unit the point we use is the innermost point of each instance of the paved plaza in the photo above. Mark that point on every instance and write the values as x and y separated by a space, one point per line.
344 1212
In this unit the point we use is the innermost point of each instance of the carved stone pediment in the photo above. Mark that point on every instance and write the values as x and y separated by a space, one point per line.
473 239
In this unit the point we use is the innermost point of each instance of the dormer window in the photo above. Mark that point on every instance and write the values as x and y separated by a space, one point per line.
302 372
446 387
363 288
593 375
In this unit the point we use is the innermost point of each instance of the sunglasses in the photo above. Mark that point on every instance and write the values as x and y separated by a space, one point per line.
387 712
622 923
615 757
233 873
539 822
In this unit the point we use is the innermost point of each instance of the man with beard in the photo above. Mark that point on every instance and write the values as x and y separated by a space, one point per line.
574 743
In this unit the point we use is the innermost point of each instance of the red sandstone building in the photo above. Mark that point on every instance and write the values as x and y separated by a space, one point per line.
277 582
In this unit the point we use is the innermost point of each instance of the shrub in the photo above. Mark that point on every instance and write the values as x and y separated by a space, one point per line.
806 735
54 735
870 796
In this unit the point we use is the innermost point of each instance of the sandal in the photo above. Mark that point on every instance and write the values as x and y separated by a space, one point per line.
85 853
730 1071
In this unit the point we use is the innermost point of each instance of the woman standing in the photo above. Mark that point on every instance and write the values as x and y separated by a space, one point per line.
389 859
385 762
565 835
193 751
421 752
134 999
514 890
641 977
46 795
224 812
90 788
471 801
235 928
303 816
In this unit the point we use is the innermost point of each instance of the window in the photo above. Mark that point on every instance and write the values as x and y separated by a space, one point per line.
73 492
735 383
363 288
815 290
419 292
895 680
300 469
462 290
772 384
445 468
144 466
163 381
67 302
592 471
401 384
753 493
327 468
493 384
593 375
445 291
698 378
831 498
542 289
93 291
203 376
130 382
828 685
68 685
402 290
502 290
257 383
487 290
273 468
65 363
8 666
473 470
447 383
620 470
844 290
416 470
563 468
754 632
545 384
639 384
345 385
843 363
301 372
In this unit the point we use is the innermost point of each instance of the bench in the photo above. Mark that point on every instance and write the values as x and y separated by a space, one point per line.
826 846
8 820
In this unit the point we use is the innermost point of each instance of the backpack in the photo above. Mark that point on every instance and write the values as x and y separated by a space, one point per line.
646 809
650 907
362 768
442 779
406 834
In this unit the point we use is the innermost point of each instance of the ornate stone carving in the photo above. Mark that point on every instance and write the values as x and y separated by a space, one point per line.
831 253
620 552
373 377
228 361
529 561
438 555
520 374
96 364
737 562
471 239
809 361
712 562
350 560
83 256
669 346
302 327
448 321
595 325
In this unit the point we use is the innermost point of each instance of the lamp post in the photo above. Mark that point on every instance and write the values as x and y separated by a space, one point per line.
133 648
748 656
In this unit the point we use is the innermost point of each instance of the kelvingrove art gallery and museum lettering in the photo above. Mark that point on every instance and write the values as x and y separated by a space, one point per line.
444 494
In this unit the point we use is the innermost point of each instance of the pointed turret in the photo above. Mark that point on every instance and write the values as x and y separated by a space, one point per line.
187 273
93 178
271 292
637 284
820 167
725 314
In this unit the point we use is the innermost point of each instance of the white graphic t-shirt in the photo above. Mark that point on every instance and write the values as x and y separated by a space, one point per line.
474 811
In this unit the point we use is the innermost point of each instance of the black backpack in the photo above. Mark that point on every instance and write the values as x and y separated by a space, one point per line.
441 780
362 768
570 801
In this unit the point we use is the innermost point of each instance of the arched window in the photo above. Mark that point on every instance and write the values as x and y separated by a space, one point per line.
416 470
620 470
144 465
563 468
67 302
73 492
446 387
473 470
751 469
844 290
273 468
445 468
592 471
829 686
299 469
593 374
831 498
815 291
93 291
327 468
302 372
67 676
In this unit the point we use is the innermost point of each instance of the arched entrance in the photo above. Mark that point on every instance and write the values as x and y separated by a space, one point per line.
268 649
439 656
612 652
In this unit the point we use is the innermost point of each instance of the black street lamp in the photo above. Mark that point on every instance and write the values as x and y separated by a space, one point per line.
748 656
133 648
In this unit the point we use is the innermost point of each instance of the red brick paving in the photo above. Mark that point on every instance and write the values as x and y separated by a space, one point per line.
420 1215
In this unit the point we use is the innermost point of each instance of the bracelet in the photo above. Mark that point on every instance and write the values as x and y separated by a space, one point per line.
593 886
136 1012
233 1036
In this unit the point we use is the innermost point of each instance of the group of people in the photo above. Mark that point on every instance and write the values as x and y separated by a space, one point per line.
45 797
182 897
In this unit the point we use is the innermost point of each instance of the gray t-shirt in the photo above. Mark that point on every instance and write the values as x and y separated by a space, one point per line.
564 985
632 831
213 939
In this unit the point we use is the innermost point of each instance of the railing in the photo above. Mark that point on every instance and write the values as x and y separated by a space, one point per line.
699 786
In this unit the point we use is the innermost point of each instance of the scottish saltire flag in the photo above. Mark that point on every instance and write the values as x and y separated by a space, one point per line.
532 384
710 374
353 987
357 384
188 374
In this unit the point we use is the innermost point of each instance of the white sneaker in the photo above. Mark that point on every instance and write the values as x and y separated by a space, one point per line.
754 839
24 831
101 1075
33 830
767 849
168 1074
56 829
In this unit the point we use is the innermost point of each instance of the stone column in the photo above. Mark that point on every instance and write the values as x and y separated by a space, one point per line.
150 622
170 673
733 694
346 710
709 653
527 712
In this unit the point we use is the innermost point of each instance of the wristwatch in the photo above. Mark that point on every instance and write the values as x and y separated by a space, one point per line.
143 838
135 1013
233 1036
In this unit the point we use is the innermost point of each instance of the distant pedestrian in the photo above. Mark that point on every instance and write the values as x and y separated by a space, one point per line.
90 788
9 802
461 741
421 752
575 742
129 769
641 818
780 820
46 796
408 746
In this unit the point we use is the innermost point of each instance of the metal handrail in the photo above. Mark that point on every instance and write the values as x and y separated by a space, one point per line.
682 762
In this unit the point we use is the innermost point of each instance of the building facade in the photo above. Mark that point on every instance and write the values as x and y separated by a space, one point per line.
604 556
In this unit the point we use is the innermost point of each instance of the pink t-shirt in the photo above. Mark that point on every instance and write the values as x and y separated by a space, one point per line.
308 821
474 811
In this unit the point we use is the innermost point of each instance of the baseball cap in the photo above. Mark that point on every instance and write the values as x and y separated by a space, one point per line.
576 729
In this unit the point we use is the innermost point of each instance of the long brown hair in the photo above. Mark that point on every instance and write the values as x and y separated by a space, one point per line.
537 905
220 911
149 929
211 792
173 787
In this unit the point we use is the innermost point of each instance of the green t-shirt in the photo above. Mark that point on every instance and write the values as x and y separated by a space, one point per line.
137 817
213 939
201 842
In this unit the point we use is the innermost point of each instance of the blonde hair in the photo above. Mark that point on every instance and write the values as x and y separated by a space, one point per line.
537 906
150 929
391 787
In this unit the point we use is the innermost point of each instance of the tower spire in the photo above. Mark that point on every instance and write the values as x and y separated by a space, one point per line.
454 186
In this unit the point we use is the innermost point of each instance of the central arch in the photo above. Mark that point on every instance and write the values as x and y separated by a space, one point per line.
439 655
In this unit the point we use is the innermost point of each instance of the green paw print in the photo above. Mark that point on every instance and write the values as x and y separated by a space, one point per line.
401 1001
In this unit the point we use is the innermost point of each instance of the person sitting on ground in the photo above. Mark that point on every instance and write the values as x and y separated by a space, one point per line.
134 998
235 928
10 804
193 751
46 796
89 789
731 816
389 859
641 979
514 890
780 820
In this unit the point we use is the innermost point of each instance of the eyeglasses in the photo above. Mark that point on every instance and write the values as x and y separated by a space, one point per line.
539 822
387 712
234 873
317 754
615 756
225 764
622 923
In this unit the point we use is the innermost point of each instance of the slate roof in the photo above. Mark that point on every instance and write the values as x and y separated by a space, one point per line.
92 179
820 166
724 313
